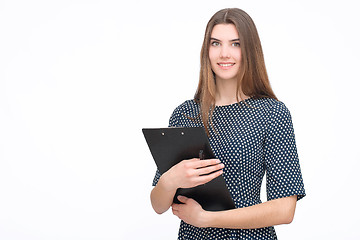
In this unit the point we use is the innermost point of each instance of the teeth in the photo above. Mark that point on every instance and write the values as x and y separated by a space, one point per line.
226 65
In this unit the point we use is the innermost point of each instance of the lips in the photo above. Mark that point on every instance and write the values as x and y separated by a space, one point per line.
226 65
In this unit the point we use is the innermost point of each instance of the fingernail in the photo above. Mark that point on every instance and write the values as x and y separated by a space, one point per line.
217 161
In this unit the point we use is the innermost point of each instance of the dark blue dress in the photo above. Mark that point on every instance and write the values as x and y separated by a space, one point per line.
251 137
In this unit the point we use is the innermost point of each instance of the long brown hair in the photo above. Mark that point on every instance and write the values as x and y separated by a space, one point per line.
253 80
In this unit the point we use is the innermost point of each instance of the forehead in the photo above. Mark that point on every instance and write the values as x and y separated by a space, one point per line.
225 32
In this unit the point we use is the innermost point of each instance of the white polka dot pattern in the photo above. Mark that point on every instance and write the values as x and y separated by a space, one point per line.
250 138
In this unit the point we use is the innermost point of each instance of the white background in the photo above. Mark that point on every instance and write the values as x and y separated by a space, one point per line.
79 79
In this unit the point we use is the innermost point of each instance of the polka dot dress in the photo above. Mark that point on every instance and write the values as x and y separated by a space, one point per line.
251 138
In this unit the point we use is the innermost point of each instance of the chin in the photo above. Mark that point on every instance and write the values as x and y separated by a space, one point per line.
226 78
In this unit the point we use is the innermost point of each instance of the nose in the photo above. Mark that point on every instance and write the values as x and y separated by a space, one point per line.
225 52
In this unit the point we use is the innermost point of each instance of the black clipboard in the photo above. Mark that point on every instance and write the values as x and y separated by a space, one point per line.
170 146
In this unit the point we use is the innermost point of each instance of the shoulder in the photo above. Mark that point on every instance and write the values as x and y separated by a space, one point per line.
186 110
270 106
265 103
279 111
278 117
189 106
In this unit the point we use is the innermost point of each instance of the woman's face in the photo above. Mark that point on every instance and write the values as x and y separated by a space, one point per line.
225 51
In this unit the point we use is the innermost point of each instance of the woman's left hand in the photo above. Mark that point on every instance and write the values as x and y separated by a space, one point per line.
190 212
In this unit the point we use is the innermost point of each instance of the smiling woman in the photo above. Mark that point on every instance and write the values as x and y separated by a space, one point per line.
236 26
250 133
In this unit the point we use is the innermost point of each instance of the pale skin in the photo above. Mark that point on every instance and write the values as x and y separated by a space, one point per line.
225 59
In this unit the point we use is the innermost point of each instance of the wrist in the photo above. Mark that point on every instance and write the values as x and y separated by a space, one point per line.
207 219
166 183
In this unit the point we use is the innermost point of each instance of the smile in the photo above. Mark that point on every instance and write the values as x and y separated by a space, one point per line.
226 66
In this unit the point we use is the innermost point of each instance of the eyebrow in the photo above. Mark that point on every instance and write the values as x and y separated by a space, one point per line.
234 40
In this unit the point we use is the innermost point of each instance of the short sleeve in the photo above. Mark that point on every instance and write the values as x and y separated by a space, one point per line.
172 123
283 174
156 178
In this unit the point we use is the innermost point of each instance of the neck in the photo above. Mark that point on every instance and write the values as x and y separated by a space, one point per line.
226 92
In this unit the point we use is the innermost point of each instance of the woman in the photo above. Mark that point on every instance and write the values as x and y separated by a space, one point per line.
250 133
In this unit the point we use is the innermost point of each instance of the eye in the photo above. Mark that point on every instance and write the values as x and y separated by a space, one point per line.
236 44
215 44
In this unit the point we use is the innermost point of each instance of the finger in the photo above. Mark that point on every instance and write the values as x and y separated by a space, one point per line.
191 160
207 178
175 212
182 199
210 169
191 163
197 163
175 206
206 163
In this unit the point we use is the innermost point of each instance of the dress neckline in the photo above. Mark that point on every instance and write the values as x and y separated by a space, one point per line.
234 104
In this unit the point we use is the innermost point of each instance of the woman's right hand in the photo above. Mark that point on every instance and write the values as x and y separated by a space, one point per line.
185 174
191 173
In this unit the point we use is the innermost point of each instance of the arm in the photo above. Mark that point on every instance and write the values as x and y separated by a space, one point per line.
186 174
274 212
162 196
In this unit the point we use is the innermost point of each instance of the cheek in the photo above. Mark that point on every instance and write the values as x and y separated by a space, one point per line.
237 54
212 56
